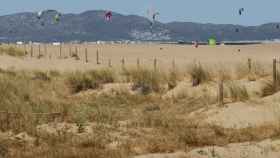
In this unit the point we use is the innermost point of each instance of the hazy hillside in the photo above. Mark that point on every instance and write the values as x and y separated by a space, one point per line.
91 26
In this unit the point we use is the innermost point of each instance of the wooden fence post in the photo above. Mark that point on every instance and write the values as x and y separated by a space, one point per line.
25 51
138 63
50 55
39 56
155 64
110 63
31 51
7 119
97 57
275 84
173 65
86 55
76 51
36 131
250 65
221 92
60 50
123 63
46 50
70 51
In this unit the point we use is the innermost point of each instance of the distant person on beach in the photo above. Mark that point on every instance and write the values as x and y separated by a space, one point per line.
196 44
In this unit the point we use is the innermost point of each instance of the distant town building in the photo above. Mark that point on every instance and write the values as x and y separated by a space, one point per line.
56 43
19 43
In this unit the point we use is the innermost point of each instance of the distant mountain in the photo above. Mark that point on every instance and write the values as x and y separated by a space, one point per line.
91 26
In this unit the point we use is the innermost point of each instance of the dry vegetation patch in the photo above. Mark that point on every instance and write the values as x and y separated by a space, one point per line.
145 80
12 51
269 87
237 92
45 106
80 81
199 74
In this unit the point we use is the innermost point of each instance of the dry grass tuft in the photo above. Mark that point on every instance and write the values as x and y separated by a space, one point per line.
80 81
75 56
172 78
241 71
225 74
145 80
237 92
21 95
12 51
199 74
39 75
258 70
54 73
268 88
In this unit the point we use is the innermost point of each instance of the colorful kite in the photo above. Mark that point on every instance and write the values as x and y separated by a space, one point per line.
240 11
108 16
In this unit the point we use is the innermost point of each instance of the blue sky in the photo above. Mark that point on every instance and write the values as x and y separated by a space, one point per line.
205 11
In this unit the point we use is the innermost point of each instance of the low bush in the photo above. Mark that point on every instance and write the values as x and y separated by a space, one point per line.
80 81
